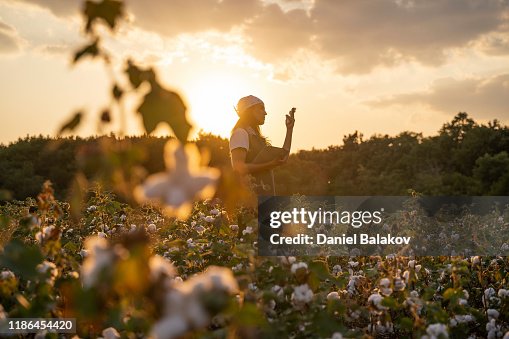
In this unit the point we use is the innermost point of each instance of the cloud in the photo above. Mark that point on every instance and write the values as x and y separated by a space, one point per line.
274 34
173 17
55 49
5 27
9 40
62 8
359 35
496 43
365 34
362 34
486 98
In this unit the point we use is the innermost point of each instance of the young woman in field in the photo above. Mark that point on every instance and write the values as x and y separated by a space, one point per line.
246 143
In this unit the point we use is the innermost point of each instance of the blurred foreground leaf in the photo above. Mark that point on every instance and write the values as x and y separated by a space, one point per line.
249 315
92 50
71 124
20 258
77 194
108 11
161 105
117 92
137 75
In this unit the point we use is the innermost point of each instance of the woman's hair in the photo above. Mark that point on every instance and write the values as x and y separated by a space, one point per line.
246 120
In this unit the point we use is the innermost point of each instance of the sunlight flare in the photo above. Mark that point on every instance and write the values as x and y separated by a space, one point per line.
211 100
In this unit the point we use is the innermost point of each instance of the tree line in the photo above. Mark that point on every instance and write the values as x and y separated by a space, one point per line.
464 158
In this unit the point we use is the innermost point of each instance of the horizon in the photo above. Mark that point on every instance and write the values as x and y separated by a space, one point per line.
196 137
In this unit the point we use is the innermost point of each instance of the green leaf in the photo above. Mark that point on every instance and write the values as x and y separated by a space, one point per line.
313 281
320 269
86 300
249 315
108 11
4 221
71 124
92 50
371 272
21 259
113 207
453 294
405 323
161 105
176 243
390 302
71 247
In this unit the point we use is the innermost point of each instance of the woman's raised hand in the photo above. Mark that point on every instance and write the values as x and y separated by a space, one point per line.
290 119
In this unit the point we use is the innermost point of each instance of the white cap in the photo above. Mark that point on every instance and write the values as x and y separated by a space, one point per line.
246 102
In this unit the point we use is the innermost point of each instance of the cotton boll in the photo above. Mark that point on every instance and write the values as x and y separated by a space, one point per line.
492 313
100 257
169 327
277 290
160 267
7 274
151 228
437 330
247 230
297 266
503 293
333 296
183 181
336 270
301 295
110 333
399 284
376 300
50 269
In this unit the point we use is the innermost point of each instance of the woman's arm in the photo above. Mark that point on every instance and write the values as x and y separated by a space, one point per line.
288 139
239 162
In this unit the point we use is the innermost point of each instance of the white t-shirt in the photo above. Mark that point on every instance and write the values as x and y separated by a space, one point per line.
239 138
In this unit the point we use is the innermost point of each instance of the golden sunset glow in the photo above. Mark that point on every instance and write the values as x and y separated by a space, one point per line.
362 193
345 65
211 100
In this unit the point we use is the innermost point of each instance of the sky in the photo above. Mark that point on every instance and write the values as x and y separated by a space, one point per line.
379 67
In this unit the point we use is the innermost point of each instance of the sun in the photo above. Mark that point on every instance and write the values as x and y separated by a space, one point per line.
212 98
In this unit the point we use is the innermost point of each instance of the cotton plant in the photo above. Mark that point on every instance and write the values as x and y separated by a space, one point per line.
385 287
50 271
381 328
279 290
183 181
183 303
436 331
302 295
45 234
98 258
183 308
375 301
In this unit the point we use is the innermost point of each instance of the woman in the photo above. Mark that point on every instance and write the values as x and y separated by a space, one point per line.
246 142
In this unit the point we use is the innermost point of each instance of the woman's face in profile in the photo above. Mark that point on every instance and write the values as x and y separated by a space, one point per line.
258 112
